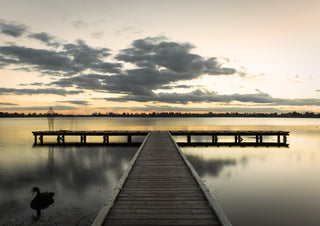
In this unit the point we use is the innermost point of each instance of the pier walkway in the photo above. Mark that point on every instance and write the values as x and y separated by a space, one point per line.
160 187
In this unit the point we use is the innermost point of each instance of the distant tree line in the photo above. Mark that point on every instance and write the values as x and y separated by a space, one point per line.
293 114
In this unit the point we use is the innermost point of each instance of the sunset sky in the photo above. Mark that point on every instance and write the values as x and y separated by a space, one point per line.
172 55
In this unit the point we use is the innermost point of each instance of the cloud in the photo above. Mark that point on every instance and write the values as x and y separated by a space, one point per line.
73 59
205 96
62 92
89 81
97 34
168 108
155 52
80 24
5 61
177 87
39 58
158 63
12 28
141 81
45 38
17 30
2 103
298 102
76 102
34 84
126 30
37 108
197 96
87 57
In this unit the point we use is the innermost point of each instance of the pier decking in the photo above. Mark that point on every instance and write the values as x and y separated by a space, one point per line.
160 187
236 138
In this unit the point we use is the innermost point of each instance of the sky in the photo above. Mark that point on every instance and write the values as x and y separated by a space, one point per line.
81 57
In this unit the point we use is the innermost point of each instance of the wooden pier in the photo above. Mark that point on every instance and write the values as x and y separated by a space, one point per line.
240 138
83 135
160 187
236 138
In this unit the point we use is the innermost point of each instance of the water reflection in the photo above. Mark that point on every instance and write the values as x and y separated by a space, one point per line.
254 186
51 159
264 186
50 116
82 177
210 167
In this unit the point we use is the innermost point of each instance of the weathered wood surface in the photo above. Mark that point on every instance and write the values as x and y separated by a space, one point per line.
161 190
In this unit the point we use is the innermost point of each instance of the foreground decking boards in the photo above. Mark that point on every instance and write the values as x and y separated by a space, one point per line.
162 189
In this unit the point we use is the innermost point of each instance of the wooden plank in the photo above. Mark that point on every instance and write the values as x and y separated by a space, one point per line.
162 222
163 211
183 208
158 195
159 198
155 190
167 216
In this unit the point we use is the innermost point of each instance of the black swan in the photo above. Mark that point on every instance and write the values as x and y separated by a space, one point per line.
41 201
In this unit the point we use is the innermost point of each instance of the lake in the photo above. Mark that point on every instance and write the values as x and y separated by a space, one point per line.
253 185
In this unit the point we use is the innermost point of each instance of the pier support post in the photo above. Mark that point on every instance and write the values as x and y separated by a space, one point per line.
129 139
284 139
259 138
214 139
106 139
278 139
188 138
35 139
60 138
240 139
41 139
237 139
83 139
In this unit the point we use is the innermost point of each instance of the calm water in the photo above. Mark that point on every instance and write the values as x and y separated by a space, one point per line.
254 186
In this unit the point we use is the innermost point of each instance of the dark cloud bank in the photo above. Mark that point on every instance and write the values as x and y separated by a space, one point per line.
61 92
156 63
12 28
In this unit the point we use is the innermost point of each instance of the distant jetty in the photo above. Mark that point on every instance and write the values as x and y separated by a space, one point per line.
234 138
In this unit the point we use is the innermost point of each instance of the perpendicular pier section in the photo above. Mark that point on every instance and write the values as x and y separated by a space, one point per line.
217 138
234 138
83 135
